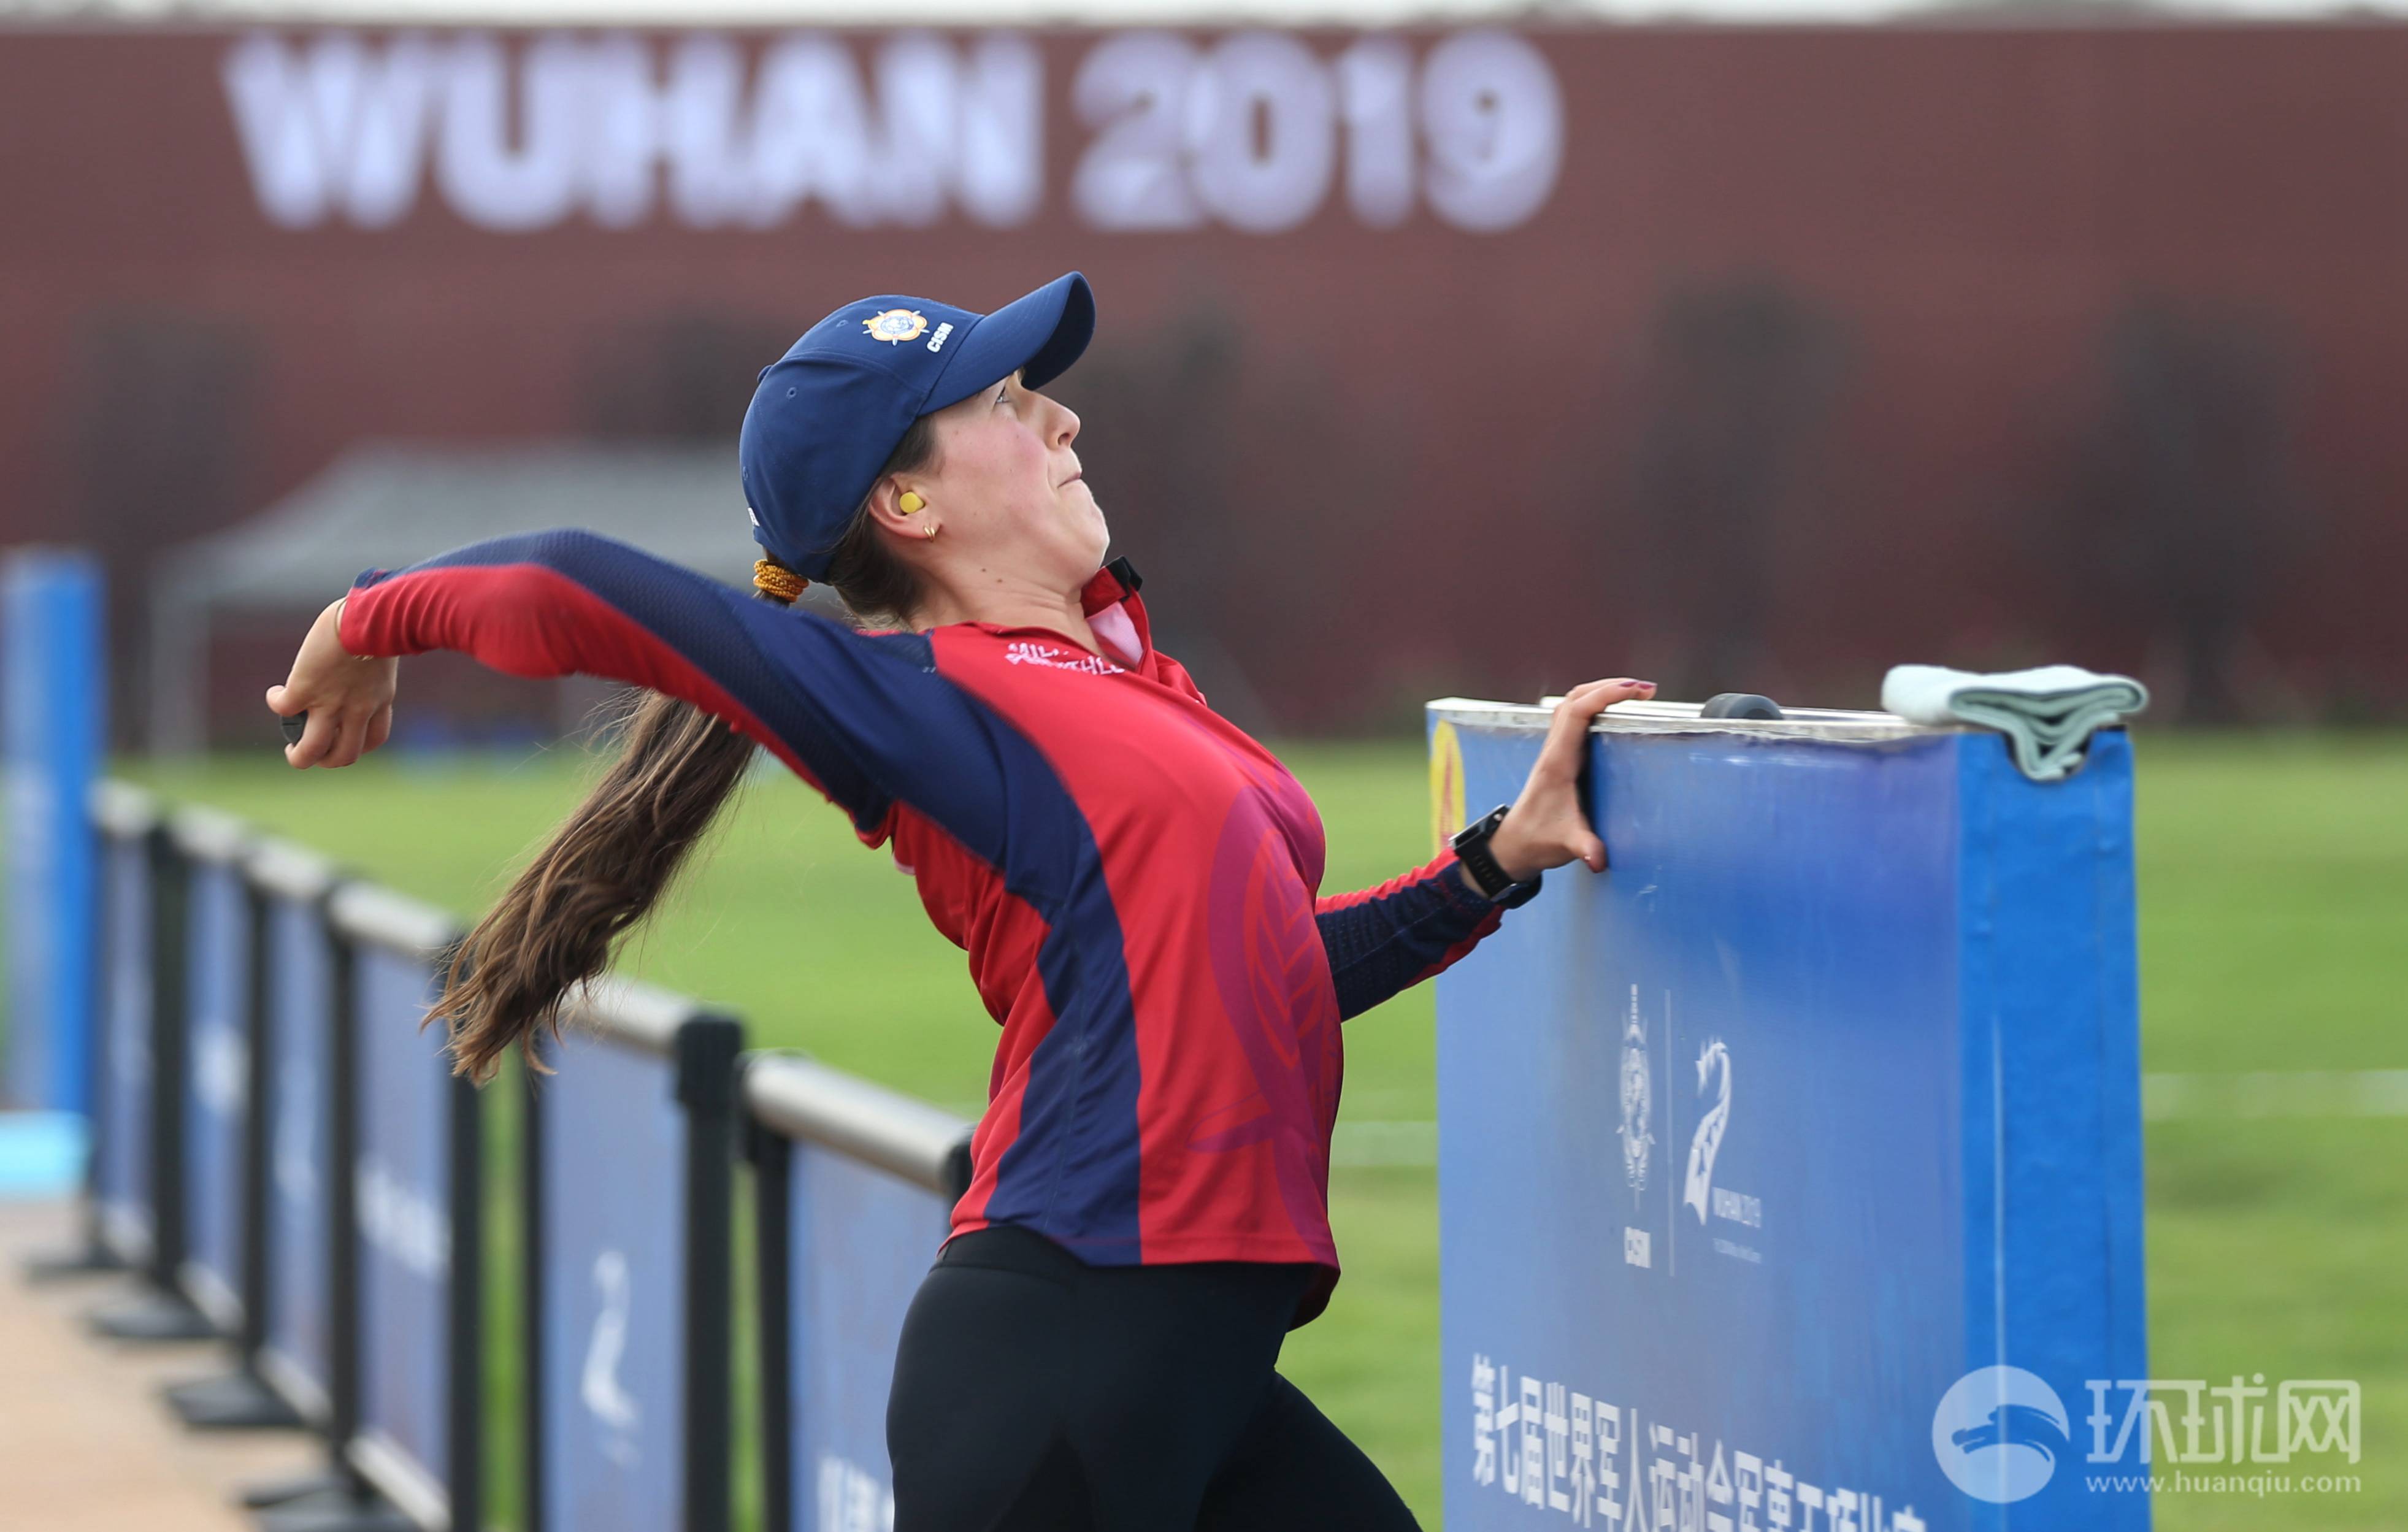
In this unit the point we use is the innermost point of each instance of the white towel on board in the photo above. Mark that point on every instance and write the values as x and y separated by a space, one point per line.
2048 714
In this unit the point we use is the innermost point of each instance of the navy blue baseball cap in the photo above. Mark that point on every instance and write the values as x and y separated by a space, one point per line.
829 413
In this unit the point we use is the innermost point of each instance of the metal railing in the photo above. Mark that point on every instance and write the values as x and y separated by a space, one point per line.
259 1001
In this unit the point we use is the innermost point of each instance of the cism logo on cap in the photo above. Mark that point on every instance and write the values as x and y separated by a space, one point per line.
897 325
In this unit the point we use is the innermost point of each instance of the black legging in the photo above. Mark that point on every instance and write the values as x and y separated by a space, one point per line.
1034 1392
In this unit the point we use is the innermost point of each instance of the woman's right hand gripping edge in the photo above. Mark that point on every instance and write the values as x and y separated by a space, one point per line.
349 699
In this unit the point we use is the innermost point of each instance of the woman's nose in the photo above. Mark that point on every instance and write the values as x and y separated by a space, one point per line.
1068 431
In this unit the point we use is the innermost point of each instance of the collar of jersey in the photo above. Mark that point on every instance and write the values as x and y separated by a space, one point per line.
1115 583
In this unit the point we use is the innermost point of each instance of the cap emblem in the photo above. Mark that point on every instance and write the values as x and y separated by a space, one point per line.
896 326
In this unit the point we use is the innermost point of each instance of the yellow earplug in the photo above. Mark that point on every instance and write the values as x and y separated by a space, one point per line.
912 502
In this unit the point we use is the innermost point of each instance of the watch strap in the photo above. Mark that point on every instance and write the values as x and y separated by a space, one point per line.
1470 845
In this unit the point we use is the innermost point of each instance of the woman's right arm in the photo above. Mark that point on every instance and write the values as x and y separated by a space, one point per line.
865 719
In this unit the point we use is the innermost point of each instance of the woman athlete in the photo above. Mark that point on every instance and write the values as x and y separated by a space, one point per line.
1136 882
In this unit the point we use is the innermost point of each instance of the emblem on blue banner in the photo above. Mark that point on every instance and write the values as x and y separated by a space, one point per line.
1637 1100
1709 1140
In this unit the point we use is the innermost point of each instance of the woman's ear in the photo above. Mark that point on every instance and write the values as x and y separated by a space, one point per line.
891 510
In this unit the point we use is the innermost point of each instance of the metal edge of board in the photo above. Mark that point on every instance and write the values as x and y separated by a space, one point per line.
400 1477
294 1384
805 1100
1687 718
633 1013
290 870
209 834
391 921
125 1232
220 1304
122 810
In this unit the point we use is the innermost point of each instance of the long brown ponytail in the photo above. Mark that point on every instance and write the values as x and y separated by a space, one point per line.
605 867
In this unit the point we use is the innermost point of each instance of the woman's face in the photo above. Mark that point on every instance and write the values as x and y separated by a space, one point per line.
1005 488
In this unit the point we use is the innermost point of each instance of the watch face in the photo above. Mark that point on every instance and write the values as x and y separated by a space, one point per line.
1479 830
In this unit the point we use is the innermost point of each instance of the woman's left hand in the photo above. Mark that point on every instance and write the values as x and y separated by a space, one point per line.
1545 827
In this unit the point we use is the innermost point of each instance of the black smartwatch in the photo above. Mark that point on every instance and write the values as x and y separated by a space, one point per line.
1470 845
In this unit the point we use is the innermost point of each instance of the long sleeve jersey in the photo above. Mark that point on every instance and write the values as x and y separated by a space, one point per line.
1135 881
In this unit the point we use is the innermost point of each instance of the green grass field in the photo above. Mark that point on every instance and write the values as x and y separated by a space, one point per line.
2273 876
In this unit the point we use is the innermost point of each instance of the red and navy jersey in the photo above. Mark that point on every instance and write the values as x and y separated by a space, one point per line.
1135 880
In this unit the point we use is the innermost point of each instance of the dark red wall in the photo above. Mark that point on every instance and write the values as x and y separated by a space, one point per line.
1828 350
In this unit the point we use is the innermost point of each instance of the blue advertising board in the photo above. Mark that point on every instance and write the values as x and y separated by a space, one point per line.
1773 1161
121 1147
855 1187
415 1200
860 1240
612 1288
217 1055
296 1348
53 708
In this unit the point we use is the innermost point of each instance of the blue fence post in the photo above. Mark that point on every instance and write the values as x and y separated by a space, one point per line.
406 1270
630 1169
346 1499
53 721
304 1344
226 1097
854 1186
294 1174
349 1498
1795 1158
151 1098
215 962
116 1233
